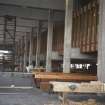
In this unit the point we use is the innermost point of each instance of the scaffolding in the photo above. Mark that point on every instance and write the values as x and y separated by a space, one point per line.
9 40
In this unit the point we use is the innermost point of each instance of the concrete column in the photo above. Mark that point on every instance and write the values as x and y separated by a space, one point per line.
25 52
21 69
49 42
31 49
38 45
67 36
17 56
18 52
101 42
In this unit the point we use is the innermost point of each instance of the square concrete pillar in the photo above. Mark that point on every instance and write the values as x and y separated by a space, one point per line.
49 42
67 36
21 56
101 42
38 45
30 49
25 52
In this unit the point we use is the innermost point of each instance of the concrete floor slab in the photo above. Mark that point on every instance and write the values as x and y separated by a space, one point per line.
27 97
33 96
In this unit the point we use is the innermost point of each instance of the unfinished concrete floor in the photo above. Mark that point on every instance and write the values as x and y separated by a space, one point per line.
30 95
27 97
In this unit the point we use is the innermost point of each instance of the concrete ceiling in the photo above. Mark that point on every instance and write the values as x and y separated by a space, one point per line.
28 13
43 4
22 26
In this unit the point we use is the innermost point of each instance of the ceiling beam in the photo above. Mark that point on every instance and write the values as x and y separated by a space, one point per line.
30 13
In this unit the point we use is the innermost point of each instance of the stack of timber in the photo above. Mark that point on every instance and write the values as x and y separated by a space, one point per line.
45 77
84 33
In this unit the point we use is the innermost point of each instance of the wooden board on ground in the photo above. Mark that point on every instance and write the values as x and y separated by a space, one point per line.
91 87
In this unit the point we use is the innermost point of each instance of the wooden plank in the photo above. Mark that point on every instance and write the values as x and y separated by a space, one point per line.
89 32
81 29
78 29
64 77
91 87
76 35
94 27
85 30
88 27
75 30
82 48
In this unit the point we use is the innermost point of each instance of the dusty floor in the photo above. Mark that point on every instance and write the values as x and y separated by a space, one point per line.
22 96
31 96
26 97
